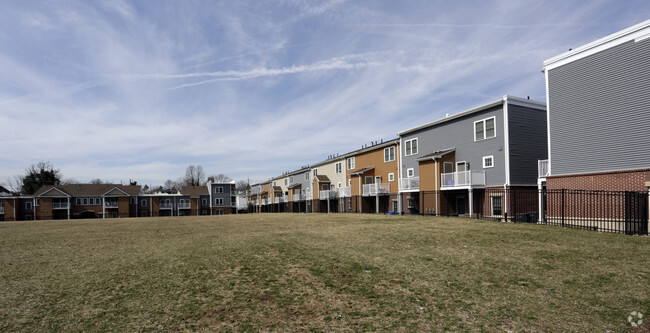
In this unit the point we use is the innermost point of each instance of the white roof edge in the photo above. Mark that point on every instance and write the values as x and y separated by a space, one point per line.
614 39
506 98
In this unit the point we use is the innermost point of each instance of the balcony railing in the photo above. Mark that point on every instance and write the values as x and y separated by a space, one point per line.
407 184
285 198
345 192
296 197
265 201
184 205
328 194
376 189
111 204
542 168
463 178
256 189
59 205
166 205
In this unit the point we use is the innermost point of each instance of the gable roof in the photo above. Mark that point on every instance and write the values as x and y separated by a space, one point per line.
195 191
51 191
323 179
90 190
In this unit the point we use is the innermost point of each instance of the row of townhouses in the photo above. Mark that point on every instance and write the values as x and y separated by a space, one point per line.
115 200
593 133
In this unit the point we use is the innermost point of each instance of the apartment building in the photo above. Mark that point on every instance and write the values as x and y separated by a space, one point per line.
328 182
85 200
496 145
371 174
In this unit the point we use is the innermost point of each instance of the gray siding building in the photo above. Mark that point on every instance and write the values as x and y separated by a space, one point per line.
599 109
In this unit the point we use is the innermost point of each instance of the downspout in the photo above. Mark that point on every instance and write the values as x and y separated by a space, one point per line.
437 188
103 207
68 209
507 155
399 177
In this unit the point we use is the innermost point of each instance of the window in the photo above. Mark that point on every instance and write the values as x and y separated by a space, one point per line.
85 201
368 180
204 202
307 175
497 206
391 177
338 167
339 184
410 202
389 154
78 201
133 200
349 204
484 129
218 189
488 161
350 163
325 187
218 201
377 179
448 167
350 182
395 206
285 182
143 202
274 185
332 187
219 211
38 202
315 172
28 205
291 179
410 172
411 147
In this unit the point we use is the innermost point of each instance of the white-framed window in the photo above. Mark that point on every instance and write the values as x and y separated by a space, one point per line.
204 202
218 201
143 202
497 205
391 177
410 172
218 189
351 163
488 161
339 184
484 129
285 182
38 202
274 184
368 180
411 147
448 167
219 212
307 175
325 187
339 167
291 179
78 201
389 154
28 205
410 202
85 201
315 172
350 182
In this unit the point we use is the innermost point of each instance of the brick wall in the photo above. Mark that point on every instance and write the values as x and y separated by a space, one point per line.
630 180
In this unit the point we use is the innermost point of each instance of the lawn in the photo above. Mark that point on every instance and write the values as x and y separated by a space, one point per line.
284 272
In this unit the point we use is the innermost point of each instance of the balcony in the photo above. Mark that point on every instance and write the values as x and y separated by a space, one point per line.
60 205
462 179
165 205
256 190
111 204
542 168
296 197
327 194
345 192
184 205
265 201
409 184
376 189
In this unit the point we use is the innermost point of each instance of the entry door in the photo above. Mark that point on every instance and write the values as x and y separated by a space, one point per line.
460 205
461 175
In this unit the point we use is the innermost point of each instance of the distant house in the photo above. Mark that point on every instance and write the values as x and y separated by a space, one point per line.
496 145
85 200
599 114
328 182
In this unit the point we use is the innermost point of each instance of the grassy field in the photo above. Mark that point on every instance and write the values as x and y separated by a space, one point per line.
282 272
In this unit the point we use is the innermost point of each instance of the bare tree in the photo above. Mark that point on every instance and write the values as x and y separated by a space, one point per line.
15 183
39 174
96 181
194 176
171 185
68 181
220 178
242 186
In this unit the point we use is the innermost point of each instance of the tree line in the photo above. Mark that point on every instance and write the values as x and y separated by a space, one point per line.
44 173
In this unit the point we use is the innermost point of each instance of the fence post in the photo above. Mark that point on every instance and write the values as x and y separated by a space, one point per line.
562 213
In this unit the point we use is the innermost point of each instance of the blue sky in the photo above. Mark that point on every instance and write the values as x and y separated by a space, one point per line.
139 90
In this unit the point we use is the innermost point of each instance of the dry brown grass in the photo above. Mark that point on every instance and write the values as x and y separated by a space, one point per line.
283 272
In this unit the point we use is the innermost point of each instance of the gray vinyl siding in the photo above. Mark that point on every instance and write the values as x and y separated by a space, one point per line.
207 201
226 195
459 134
300 178
599 111
527 143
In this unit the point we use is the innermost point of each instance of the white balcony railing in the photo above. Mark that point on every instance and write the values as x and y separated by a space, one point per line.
59 205
345 192
376 189
184 205
265 201
166 205
542 168
295 197
407 184
285 198
111 204
328 194
463 178
276 200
